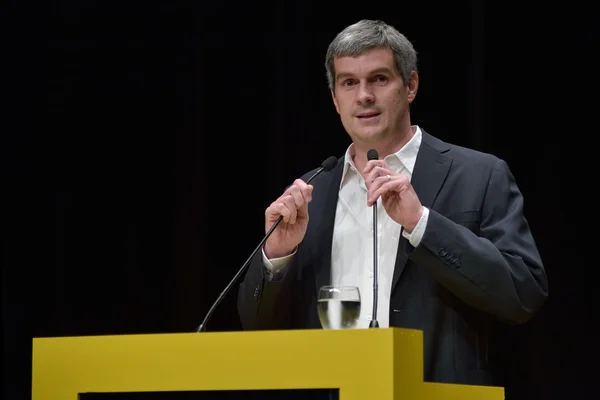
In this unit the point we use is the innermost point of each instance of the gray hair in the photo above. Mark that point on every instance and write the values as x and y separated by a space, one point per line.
366 35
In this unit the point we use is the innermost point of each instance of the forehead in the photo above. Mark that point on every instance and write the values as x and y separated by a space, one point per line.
364 64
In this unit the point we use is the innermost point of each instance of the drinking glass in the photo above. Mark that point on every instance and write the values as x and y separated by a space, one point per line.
338 306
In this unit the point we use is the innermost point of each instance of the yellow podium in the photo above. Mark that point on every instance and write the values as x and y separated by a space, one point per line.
362 364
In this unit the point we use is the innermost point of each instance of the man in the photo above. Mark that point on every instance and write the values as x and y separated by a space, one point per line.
456 258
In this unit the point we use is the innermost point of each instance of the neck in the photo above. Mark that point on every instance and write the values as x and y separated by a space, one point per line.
384 147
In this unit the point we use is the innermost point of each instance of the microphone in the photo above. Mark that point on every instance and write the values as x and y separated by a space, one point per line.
373 155
326 166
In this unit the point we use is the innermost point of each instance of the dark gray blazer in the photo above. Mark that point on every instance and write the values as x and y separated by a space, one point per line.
476 270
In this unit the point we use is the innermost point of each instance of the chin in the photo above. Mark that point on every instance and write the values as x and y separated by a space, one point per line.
369 134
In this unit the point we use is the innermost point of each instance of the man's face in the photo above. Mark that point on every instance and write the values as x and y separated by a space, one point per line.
370 96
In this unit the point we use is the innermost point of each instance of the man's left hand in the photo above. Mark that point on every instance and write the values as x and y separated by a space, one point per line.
397 194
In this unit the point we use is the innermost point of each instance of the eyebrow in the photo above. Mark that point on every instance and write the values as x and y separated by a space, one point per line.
376 71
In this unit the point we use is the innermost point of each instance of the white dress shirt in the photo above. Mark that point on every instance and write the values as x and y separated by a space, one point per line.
352 247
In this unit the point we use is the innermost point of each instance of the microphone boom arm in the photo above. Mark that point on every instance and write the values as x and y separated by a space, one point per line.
326 166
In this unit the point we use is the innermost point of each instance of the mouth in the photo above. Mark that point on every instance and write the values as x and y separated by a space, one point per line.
368 115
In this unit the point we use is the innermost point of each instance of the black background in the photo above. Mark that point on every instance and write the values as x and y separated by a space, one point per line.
143 141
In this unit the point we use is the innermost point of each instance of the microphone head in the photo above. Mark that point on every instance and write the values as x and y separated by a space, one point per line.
330 163
372 155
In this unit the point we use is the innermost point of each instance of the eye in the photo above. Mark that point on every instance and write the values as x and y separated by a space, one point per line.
381 79
348 82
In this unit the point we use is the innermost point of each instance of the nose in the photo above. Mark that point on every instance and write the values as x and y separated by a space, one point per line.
365 94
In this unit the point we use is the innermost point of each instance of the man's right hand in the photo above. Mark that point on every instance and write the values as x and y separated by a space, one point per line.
293 207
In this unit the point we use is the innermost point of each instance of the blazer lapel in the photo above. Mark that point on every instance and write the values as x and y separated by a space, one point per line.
431 169
322 215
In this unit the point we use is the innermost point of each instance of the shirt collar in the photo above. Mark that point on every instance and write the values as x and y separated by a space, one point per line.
406 157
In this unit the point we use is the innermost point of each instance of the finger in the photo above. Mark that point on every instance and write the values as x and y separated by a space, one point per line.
296 194
291 206
372 164
375 189
302 212
307 193
388 187
282 210
305 189
391 183
375 173
300 183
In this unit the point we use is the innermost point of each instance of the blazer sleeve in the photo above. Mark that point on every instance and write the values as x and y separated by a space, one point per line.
498 270
264 303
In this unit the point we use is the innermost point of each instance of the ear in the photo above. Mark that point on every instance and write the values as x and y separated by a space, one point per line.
335 103
413 86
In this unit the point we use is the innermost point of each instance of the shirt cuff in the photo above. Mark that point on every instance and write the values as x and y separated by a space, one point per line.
414 238
275 266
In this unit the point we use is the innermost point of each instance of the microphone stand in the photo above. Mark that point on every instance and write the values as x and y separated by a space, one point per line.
374 323
373 155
